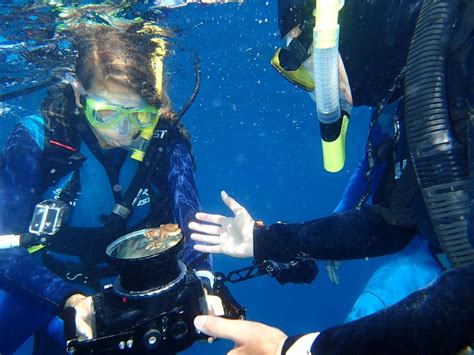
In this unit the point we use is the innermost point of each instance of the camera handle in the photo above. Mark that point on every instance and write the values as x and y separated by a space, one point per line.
232 308
267 267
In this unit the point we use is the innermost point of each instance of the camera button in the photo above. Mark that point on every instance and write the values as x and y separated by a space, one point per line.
179 330
152 339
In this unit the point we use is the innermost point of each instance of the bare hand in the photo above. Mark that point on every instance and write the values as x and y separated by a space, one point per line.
85 316
229 235
249 337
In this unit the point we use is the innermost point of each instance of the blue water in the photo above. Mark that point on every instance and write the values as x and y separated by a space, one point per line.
256 136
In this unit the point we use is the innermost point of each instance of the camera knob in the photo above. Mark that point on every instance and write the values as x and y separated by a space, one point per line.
152 339
179 330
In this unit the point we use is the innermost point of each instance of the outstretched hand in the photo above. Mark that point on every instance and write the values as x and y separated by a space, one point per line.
249 337
226 235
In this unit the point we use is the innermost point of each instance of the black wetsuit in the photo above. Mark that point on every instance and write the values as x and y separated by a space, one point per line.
438 319
374 40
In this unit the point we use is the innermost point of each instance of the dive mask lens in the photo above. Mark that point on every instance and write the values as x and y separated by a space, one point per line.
107 117
292 70
143 118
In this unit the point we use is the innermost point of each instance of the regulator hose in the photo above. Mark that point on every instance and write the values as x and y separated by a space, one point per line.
440 161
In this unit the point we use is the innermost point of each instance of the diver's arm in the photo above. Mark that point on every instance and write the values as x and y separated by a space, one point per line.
438 319
349 235
185 199
20 174
24 277
20 274
353 192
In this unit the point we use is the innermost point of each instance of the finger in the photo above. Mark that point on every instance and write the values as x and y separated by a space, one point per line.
205 228
221 328
234 206
335 271
211 249
211 218
333 277
210 239
336 276
238 350
329 271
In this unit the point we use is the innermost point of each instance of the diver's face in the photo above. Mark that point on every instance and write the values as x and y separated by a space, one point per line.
122 133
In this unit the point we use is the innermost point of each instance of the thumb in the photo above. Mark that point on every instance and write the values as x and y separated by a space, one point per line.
84 330
233 205
219 327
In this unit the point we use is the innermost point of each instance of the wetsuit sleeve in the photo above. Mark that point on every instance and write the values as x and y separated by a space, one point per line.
20 273
185 199
349 235
20 179
24 277
438 319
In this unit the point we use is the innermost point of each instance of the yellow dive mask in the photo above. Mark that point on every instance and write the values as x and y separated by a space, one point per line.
300 76
103 114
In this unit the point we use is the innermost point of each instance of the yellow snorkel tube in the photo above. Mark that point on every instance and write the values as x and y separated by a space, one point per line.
138 153
143 141
332 121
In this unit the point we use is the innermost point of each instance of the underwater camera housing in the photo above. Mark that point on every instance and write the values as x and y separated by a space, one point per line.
151 305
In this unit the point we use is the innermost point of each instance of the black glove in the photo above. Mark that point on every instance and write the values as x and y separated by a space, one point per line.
28 239
303 272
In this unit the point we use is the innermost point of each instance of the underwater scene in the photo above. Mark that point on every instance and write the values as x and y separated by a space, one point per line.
120 120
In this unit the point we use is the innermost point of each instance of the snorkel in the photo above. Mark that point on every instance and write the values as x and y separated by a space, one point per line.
143 140
333 121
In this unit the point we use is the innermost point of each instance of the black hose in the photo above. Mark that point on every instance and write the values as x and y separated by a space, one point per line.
29 89
197 86
440 161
